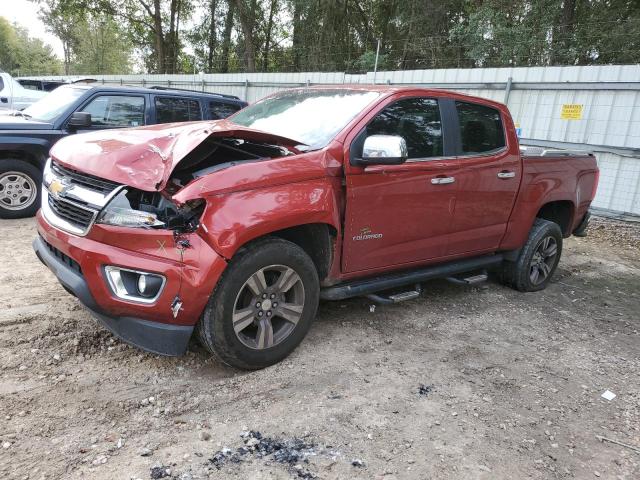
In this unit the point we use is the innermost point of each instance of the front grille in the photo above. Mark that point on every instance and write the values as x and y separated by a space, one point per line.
71 212
66 259
84 179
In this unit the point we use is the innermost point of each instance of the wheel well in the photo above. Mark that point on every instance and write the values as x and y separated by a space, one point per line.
560 212
22 155
316 239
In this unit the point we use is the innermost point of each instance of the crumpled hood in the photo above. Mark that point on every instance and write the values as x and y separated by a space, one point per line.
144 157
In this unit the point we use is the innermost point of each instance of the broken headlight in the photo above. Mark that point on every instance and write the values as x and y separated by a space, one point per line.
139 209
127 217
127 210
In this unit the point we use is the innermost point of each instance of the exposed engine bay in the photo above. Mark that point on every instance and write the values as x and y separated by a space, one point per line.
218 153
212 155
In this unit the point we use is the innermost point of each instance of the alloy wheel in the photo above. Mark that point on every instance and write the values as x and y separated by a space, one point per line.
268 307
543 260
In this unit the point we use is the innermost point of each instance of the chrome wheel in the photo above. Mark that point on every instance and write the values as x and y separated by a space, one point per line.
17 191
543 260
268 307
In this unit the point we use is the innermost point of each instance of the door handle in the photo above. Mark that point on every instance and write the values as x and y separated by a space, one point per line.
4 100
505 174
442 180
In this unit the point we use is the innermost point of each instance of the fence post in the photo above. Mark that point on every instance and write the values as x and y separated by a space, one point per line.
507 90
246 89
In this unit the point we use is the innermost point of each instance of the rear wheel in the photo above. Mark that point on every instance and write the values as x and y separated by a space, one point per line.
262 306
537 260
19 189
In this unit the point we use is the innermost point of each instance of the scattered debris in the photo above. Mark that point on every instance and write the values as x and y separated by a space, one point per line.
146 452
372 308
608 395
290 452
626 445
425 389
160 472
356 462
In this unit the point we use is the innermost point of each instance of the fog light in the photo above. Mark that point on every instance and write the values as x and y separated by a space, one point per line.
142 284
134 285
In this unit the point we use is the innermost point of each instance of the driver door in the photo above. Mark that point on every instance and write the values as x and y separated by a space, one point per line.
399 215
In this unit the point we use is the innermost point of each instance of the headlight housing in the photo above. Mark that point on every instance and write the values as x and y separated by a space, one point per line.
127 217
121 212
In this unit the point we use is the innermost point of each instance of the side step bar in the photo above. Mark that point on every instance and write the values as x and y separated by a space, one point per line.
367 286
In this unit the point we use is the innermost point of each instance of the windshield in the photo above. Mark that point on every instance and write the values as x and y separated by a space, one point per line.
49 107
311 117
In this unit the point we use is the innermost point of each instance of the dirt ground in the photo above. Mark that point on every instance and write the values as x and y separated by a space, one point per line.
511 384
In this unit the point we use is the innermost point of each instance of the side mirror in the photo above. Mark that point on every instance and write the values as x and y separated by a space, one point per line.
384 150
80 120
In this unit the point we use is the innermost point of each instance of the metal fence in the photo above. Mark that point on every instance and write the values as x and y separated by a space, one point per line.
593 108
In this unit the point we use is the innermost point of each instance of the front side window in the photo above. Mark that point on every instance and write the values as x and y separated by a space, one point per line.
417 120
115 111
222 110
173 109
481 128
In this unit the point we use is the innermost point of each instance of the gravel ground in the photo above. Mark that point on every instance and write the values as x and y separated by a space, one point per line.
464 382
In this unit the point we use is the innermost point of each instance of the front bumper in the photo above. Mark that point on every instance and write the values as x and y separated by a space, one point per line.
78 263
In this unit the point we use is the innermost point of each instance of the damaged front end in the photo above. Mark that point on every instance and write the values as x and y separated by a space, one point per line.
130 178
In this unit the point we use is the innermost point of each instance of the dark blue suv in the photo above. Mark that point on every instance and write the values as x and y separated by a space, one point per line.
27 136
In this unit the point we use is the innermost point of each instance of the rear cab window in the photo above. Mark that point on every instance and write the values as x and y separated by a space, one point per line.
176 109
481 129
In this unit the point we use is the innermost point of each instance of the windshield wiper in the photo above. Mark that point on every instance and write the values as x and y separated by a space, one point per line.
18 113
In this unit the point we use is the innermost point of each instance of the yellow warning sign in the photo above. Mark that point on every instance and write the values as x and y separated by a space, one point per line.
571 111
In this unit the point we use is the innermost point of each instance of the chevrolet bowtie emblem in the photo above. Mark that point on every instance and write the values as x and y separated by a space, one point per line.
56 187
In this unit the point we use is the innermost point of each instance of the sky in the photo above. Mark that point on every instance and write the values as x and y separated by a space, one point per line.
25 13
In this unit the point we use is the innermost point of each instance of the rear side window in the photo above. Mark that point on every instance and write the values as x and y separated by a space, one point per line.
480 128
116 111
417 120
222 110
1 84
173 109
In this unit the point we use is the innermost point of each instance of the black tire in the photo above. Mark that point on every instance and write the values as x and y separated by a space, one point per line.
520 274
216 326
31 176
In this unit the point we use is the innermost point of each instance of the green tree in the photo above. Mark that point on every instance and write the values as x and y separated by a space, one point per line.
21 54
102 47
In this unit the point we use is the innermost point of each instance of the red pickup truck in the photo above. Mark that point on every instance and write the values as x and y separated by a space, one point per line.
237 228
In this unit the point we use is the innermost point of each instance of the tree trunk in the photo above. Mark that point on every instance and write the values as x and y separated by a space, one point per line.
246 15
297 41
212 35
267 41
157 22
226 38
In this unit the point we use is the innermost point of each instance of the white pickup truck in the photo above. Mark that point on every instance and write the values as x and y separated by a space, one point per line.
14 96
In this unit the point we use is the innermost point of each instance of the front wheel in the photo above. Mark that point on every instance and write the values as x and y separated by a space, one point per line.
537 260
19 189
263 305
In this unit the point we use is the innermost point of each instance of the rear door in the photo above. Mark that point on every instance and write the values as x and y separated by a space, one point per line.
401 214
488 179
